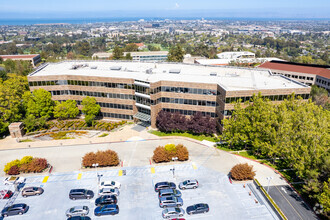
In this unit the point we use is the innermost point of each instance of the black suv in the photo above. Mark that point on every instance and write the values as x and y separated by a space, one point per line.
164 185
106 200
81 194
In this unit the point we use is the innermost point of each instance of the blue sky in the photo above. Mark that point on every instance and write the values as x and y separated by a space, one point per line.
309 8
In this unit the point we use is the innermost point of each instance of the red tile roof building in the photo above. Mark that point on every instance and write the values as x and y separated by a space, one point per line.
309 74
33 58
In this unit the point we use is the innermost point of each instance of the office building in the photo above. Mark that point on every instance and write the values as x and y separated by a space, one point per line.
33 58
139 90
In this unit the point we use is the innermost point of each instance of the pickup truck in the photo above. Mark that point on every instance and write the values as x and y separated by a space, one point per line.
13 180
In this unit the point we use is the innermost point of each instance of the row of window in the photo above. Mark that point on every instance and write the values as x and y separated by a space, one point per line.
185 90
115 115
190 112
270 97
94 94
295 76
143 110
142 89
142 100
81 83
186 102
323 82
111 105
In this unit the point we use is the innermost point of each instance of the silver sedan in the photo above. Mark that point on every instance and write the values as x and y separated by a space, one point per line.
77 211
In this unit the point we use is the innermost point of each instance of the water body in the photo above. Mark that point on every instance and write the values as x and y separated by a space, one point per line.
30 21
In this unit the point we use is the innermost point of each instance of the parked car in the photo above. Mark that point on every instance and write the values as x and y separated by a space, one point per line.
5 194
32 191
164 185
170 201
106 210
106 200
81 194
198 208
173 212
77 211
16 209
11 180
188 184
109 191
177 219
169 192
79 218
110 184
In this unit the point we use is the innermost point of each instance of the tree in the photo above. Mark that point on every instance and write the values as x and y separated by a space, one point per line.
325 197
176 54
90 109
39 103
11 94
31 123
3 128
3 74
128 56
83 48
117 53
66 109
131 47
320 96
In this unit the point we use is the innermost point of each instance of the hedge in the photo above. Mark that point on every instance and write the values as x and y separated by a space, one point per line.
166 153
27 164
103 158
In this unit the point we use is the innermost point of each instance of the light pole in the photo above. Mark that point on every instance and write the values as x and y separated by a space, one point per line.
173 170
97 174
269 179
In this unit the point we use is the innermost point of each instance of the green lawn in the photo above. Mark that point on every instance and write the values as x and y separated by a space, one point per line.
196 137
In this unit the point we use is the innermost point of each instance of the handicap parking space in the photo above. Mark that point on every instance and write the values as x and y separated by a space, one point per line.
137 199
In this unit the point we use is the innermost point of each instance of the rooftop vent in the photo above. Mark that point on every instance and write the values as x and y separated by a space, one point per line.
213 74
175 71
93 67
149 71
115 68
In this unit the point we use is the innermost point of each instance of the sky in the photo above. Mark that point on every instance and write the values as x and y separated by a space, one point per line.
161 8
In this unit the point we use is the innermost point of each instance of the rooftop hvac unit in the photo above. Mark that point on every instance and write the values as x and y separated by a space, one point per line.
149 71
93 67
115 68
175 71
213 74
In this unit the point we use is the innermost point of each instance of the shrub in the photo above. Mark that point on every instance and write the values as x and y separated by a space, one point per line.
11 164
14 170
242 172
182 152
165 154
170 147
103 158
160 155
26 159
37 165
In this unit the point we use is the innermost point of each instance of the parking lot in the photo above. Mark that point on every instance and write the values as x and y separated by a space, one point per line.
137 199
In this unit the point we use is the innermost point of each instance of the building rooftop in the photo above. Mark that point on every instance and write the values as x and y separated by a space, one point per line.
19 56
320 70
229 78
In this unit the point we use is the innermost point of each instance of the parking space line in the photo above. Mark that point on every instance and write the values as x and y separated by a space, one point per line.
120 173
152 169
45 179
79 176
194 166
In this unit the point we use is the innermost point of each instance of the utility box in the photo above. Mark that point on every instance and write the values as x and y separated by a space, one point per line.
16 129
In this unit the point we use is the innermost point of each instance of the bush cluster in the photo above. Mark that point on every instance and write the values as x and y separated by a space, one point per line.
176 122
166 153
27 164
103 158
81 125
242 172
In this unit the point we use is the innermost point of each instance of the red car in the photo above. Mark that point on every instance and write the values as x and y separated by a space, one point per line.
5 194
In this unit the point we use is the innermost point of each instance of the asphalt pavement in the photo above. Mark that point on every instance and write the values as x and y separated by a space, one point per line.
293 207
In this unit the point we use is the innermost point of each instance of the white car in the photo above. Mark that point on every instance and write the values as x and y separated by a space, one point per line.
109 191
11 180
110 184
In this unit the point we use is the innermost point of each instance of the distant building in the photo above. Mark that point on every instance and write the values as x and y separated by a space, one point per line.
153 56
33 58
226 58
141 46
309 74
